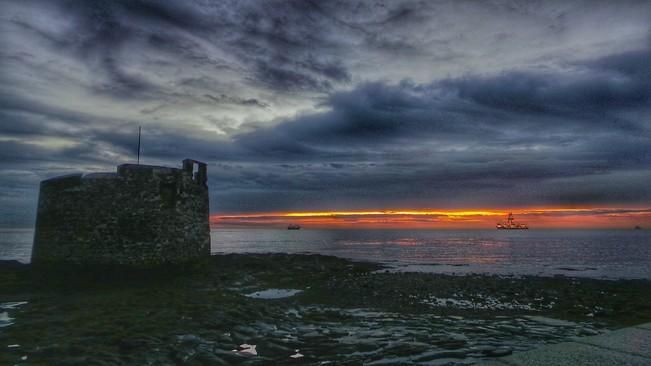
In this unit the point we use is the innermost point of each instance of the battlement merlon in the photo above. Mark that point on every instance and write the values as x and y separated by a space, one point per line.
197 170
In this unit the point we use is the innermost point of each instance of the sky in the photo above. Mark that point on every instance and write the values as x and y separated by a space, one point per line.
339 106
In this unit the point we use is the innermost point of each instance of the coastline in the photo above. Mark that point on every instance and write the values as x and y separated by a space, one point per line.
341 311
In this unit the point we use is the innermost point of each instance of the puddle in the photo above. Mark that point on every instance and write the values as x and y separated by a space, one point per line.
5 319
274 293
549 321
11 305
246 350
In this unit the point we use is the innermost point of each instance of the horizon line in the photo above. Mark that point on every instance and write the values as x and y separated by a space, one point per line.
543 217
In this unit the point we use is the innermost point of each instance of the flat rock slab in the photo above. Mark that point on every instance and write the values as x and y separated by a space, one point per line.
496 362
644 326
628 346
631 340
550 321
575 354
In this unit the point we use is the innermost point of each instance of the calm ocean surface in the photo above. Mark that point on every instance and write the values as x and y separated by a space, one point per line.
585 253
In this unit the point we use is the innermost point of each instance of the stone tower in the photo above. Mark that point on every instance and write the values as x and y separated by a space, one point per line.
141 215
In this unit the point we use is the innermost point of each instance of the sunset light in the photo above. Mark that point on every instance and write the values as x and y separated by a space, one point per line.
479 218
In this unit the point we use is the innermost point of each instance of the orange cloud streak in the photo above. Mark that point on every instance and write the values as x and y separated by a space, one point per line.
608 217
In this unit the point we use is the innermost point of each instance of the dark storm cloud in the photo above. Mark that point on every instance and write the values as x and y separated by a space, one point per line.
337 104
286 78
269 40
443 143
223 98
552 138
598 87
512 108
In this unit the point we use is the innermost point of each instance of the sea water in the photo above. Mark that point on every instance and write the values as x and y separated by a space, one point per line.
586 253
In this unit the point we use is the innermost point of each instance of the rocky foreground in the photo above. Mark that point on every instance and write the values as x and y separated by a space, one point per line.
295 309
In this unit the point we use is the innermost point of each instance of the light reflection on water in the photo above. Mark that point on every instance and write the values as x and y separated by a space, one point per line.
589 253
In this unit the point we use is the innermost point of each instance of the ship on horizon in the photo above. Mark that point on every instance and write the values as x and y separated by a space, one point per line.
510 224
293 227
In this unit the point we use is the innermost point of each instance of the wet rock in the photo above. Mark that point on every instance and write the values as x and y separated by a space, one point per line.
336 320
484 349
189 338
434 355
128 345
275 348
550 321
510 328
587 332
499 352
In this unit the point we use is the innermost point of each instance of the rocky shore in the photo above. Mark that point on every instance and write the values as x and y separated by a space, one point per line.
302 309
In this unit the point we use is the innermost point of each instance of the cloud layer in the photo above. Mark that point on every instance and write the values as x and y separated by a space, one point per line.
304 105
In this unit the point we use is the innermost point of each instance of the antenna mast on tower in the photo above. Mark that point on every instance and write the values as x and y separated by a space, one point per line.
139 129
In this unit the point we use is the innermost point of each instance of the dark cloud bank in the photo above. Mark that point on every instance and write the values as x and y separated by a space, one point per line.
577 132
514 139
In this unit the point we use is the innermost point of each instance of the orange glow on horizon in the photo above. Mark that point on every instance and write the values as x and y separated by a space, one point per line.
391 212
552 217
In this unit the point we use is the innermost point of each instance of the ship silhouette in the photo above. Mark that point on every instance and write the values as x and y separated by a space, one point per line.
510 224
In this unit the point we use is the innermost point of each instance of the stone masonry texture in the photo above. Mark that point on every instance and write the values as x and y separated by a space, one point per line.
141 215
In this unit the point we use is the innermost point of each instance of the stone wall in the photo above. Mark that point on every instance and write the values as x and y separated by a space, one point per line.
141 215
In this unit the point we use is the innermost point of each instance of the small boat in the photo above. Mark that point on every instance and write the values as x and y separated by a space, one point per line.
510 224
637 227
294 227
